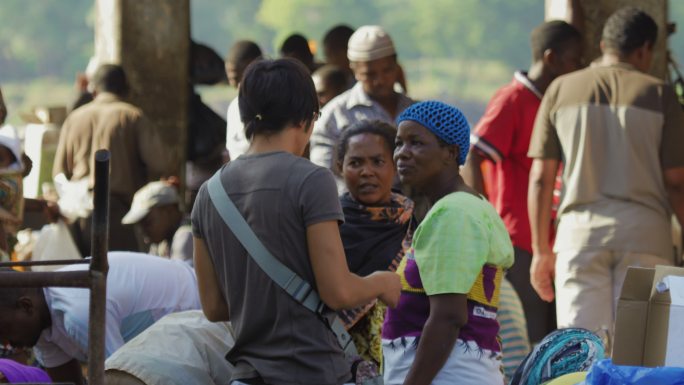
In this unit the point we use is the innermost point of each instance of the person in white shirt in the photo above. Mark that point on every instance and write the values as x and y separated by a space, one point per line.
241 54
140 290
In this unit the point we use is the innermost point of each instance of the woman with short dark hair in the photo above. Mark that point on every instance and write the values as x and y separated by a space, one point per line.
292 207
377 221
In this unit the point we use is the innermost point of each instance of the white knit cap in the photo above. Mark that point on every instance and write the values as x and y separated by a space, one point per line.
369 42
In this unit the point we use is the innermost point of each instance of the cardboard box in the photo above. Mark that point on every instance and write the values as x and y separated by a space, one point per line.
649 325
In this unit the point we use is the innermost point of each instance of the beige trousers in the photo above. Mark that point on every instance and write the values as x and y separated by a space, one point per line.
588 285
117 377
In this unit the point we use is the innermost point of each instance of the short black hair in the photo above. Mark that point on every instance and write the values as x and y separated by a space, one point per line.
111 78
274 94
297 46
337 37
553 35
376 127
628 29
333 76
242 52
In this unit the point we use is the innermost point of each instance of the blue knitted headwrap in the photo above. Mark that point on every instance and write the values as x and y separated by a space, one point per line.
443 120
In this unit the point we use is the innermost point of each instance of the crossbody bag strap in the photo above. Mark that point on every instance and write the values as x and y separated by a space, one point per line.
288 280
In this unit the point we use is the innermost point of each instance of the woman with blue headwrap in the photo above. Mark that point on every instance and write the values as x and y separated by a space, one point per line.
444 330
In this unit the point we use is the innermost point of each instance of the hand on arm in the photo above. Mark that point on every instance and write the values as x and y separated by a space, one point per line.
336 285
539 202
448 313
69 372
214 304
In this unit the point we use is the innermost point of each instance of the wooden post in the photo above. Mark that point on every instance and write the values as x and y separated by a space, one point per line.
151 41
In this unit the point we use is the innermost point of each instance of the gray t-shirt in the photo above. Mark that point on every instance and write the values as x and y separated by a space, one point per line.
279 195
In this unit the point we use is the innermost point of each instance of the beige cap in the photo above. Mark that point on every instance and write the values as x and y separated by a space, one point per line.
369 42
151 195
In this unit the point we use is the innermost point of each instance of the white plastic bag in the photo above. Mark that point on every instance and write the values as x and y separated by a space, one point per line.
54 242
75 199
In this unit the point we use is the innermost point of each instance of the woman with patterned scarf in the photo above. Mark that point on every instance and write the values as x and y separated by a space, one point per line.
377 222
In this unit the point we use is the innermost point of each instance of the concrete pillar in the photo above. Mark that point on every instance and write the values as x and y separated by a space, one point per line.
151 40
595 15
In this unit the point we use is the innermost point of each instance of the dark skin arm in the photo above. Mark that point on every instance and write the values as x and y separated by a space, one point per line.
69 372
214 305
539 204
472 171
448 313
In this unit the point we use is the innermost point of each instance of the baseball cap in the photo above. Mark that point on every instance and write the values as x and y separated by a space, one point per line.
369 42
151 195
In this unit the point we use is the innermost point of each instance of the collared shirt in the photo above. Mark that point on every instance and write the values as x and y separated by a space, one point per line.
137 152
349 107
140 290
615 129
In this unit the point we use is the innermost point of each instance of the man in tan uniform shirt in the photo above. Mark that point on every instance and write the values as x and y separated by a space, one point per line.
618 132
137 154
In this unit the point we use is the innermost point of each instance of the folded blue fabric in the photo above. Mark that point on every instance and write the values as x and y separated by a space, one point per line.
605 373
561 352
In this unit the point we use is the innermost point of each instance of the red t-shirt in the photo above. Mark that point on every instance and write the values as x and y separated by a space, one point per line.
503 136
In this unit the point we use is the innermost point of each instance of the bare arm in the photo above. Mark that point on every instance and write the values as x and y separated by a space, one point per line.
214 304
472 171
448 313
539 202
69 372
674 184
337 286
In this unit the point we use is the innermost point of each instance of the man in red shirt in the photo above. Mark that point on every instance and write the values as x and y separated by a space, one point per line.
500 141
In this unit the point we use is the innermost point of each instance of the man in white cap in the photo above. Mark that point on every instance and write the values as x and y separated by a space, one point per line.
155 208
373 59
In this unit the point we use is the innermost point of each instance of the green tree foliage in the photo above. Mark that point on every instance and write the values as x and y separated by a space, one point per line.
218 23
467 29
55 37
44 38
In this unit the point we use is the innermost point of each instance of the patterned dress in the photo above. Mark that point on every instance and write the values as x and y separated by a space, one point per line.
375 238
